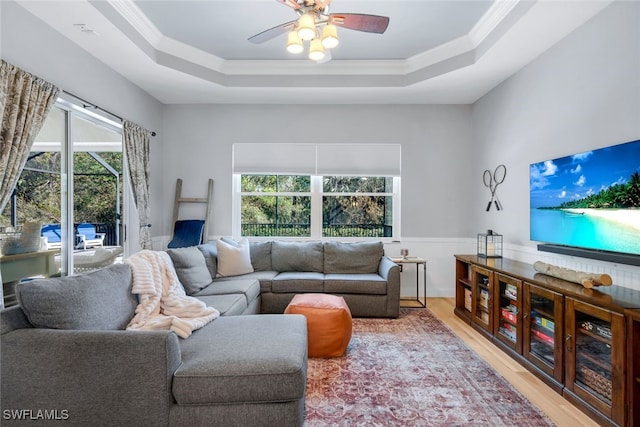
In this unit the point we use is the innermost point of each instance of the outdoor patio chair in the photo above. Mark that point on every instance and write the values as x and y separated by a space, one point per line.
53 235
86 236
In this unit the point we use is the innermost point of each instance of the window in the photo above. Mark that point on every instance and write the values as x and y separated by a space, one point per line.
276 205
357 206
342 203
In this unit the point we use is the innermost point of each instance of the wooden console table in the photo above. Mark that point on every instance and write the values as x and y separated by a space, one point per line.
17 267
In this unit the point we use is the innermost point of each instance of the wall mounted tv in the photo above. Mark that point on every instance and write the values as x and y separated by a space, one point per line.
588 204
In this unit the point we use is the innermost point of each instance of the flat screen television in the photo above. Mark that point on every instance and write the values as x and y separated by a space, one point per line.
588 204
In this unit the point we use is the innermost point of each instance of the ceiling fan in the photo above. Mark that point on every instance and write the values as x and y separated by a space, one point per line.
316 25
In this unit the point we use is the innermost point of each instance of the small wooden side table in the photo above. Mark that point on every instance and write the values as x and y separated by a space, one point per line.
401 261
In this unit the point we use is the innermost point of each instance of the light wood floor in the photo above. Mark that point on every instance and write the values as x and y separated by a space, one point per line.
559 410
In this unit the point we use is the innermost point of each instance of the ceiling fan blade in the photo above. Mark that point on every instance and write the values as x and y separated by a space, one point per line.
271 33
291 3
361 22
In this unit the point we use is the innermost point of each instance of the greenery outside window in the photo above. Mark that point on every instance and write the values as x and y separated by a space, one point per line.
317 206
276 205
357 206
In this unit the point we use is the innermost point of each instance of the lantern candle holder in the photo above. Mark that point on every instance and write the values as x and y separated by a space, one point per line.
489 245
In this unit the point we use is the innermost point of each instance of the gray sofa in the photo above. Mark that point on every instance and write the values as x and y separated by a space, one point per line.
65 353
359 272
67 359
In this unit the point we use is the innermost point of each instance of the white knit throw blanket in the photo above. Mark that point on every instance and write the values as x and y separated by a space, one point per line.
163 303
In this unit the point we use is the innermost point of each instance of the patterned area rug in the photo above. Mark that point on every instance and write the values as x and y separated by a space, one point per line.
412 371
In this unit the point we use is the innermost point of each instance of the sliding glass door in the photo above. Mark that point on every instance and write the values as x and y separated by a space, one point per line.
71 189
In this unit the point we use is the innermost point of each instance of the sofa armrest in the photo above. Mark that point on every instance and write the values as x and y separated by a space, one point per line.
90 377
390 271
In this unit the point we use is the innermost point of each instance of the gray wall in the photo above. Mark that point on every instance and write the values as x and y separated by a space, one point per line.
436 147
30 44
582 94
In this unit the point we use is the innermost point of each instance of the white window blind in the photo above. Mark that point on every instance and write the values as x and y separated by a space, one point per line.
358 159
274 158
317 159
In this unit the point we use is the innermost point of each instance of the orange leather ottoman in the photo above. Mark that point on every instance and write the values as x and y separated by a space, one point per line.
329 324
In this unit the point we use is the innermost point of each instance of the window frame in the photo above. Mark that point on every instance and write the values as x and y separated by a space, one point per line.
317 194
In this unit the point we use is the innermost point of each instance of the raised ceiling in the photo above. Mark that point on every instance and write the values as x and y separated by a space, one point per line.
433 52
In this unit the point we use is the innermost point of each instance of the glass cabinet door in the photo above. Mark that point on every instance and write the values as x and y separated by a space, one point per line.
508 318
542 341
482 298
595 357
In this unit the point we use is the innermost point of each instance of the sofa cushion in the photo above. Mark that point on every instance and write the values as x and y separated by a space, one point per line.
191 268
264 277
210 252
233 260
227 305
260 256
250 288
370 283
361 257
297 281
100 300
297 256
244 359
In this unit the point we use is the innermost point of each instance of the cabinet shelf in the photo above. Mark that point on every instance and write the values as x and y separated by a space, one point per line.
542 312
465 282
596 367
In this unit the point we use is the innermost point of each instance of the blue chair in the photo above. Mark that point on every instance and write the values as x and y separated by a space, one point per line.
86 236
53 235
186 233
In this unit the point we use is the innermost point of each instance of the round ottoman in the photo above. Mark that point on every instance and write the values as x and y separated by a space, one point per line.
328 323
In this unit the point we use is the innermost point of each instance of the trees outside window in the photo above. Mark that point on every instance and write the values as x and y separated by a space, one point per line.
348 206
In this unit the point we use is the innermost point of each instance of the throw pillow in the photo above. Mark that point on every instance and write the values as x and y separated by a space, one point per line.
100 300
191 268
234 260
261 256
210 252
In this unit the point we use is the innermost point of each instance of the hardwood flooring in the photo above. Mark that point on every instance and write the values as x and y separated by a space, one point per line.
559 410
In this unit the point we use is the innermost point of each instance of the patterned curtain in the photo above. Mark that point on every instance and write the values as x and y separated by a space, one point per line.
136 142
25 101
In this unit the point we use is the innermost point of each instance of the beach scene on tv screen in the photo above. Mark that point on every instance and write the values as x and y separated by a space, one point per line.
588 200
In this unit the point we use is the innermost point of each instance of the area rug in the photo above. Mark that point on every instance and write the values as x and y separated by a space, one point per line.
412 371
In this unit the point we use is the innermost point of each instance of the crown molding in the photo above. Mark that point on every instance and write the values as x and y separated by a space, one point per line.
188 59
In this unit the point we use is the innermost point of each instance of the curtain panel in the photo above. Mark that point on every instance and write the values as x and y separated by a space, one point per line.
25 101
136 142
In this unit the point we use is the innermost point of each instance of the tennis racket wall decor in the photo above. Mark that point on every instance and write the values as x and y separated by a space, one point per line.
491 181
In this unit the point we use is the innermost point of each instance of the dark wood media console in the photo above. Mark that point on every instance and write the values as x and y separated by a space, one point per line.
583 343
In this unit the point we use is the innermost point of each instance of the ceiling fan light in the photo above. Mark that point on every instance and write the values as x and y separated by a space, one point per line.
316 51
306 26
330 36
294 44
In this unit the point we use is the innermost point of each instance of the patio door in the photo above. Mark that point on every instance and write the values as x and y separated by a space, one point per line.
74 174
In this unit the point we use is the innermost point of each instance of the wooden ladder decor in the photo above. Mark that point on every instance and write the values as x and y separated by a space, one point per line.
179 199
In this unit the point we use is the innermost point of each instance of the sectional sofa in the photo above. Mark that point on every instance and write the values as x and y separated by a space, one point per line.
360 272
66 356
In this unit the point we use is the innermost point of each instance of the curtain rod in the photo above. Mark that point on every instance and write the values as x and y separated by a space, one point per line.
86 104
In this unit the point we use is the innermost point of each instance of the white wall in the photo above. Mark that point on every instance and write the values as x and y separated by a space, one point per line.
582 94
198 139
